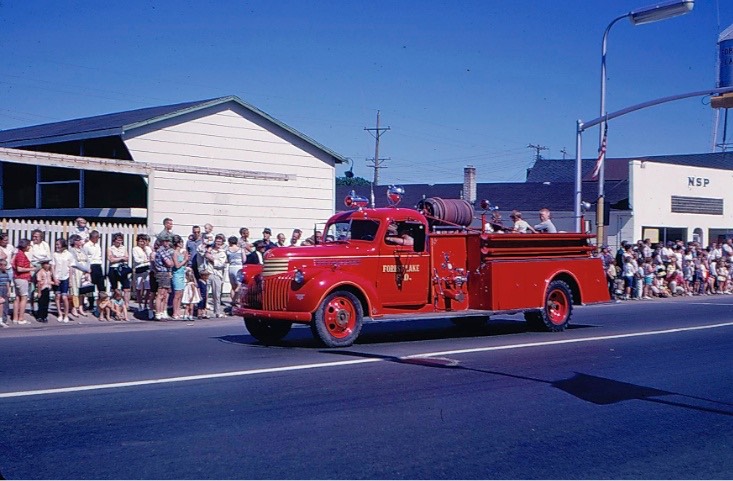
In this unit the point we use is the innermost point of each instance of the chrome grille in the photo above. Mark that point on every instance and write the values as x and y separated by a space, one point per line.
250 295
275 291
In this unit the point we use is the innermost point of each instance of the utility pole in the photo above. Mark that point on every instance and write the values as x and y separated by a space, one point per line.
564 153
538 148
376 162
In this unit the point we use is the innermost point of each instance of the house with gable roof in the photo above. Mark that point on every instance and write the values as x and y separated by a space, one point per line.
221 161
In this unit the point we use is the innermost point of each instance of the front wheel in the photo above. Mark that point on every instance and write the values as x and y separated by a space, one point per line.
338 320
558 308
267 331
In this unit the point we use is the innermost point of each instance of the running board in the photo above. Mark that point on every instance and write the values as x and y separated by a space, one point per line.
426 316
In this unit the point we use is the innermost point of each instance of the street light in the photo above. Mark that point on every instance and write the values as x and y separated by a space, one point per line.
642 16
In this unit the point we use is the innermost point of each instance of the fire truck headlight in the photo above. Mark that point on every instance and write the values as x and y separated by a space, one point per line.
299 277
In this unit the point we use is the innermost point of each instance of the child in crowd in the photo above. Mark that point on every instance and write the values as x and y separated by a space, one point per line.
208 236
203 281
191 295
119 309
648 269
722 278
104 306
5 280
86 290
44 283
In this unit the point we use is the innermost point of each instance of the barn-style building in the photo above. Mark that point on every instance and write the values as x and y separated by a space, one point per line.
221 161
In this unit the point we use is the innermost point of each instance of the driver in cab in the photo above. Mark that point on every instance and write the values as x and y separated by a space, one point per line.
398 235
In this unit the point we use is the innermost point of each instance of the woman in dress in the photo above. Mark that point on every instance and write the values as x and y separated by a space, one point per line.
235 259
141 268
119 269
81 266
178 279
39 251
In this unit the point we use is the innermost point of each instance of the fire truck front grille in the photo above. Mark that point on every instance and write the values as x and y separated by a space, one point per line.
275 292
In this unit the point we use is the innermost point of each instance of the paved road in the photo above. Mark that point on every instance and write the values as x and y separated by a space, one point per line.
635 390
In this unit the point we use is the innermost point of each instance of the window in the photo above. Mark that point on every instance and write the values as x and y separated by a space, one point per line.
664 234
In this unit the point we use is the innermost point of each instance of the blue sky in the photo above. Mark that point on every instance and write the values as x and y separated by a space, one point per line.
458 82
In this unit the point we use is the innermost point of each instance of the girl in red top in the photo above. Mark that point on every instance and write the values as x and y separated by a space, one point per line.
22 269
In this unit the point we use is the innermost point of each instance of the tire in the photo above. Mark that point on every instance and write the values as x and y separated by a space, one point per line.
338 320
267 331
558 308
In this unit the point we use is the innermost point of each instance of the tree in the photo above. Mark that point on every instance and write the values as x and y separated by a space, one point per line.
356 181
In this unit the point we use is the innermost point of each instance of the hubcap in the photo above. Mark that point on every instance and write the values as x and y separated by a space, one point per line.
340 317
557 307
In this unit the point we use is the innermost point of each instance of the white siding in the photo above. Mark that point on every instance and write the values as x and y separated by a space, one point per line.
653 185
236 140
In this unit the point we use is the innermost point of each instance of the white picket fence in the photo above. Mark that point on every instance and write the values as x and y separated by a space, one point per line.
21 229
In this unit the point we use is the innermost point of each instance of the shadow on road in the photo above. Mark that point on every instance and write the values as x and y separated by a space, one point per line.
589 388
380 332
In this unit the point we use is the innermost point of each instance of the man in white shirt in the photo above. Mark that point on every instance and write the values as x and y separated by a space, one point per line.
7 252
93 250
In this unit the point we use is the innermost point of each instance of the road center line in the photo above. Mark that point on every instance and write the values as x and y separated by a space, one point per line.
301 367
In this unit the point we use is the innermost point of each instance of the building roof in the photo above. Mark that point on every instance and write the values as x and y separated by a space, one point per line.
527 196
615 169
116 124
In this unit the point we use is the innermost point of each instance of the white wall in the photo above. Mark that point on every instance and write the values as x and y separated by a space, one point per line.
235 138
653 185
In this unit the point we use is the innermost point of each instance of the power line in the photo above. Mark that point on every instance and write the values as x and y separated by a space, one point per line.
538 148
376 162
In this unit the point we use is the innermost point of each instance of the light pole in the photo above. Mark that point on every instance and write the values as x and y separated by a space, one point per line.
654 13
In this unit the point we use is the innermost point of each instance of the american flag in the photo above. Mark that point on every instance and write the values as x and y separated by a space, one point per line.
601 154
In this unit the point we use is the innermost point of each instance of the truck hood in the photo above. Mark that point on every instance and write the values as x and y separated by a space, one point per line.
321 251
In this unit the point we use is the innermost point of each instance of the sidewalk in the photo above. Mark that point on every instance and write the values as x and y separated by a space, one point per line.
134 318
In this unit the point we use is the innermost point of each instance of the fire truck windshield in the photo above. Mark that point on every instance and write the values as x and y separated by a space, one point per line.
353 229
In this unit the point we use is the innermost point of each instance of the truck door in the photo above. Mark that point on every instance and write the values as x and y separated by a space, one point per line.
403 275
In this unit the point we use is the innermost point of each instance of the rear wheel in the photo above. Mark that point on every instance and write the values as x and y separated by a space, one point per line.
558 308
338 320
267 331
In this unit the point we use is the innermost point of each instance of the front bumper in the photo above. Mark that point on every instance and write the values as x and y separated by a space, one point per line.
291 316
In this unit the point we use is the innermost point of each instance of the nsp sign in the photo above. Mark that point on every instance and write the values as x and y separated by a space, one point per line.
698 182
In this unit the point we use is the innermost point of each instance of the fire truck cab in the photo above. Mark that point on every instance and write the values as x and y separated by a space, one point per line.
391 263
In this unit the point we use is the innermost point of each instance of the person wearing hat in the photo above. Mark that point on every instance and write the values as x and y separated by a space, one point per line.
520 225
266 233
258 256
606 256
163 267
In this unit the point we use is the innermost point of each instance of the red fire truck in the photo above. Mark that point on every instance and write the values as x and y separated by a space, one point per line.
395 263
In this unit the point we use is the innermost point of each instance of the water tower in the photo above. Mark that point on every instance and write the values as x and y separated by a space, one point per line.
721 103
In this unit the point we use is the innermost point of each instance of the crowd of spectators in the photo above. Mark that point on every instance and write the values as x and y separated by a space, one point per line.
644 270
170 276
173 276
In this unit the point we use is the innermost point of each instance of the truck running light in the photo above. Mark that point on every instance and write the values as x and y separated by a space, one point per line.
353 200
394 194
